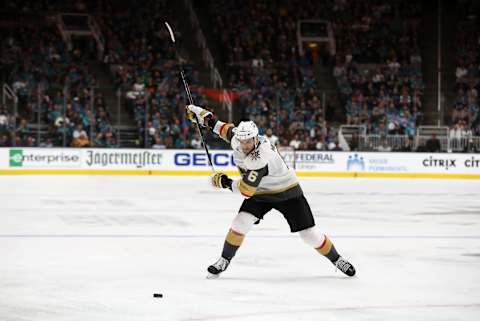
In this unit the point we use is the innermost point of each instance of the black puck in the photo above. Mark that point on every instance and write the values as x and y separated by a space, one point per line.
158 295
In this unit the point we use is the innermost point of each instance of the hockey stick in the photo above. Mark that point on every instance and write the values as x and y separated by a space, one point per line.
189 94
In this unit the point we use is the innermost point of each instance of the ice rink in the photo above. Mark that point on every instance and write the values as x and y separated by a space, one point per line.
90 248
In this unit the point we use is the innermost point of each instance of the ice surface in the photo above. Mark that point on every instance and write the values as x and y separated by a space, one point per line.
97 247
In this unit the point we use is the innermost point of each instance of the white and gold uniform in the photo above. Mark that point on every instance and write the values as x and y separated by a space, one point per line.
267 183
265 175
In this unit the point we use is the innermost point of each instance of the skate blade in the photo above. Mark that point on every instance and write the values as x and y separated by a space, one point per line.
211 276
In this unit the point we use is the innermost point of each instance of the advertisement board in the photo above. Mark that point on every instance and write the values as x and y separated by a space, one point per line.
122 158
198 160
369 162
195 162
44 158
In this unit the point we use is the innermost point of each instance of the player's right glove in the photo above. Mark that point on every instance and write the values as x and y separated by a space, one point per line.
201 114
221 180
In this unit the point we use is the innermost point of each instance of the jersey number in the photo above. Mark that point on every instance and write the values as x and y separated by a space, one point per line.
252 176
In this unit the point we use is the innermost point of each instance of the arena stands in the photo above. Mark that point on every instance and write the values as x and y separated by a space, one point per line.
277 85
144 66
465 116
53 88
375 67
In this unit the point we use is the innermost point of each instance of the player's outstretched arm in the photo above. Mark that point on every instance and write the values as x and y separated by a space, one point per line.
207 119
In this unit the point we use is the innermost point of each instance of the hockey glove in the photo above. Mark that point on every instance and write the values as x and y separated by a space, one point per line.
201 114
221 180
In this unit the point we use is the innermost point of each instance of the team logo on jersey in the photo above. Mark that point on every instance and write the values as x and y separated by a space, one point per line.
255 155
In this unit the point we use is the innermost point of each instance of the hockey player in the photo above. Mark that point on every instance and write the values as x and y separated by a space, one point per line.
266 183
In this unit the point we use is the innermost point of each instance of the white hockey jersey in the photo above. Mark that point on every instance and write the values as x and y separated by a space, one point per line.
265 175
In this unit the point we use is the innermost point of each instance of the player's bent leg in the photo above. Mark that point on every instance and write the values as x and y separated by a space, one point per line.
312 237
241 225
324 246
243 222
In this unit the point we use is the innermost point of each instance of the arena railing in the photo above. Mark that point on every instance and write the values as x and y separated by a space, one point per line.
426 132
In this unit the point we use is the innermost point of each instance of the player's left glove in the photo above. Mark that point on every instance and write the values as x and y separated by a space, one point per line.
221 180
195 113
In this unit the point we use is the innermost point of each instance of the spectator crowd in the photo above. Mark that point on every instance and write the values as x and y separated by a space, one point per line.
55 93
376 66
465 116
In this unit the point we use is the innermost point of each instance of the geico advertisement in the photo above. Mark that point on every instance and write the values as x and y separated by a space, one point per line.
198 160
19 158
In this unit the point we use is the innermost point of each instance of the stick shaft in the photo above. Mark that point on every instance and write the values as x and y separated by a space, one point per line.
189 94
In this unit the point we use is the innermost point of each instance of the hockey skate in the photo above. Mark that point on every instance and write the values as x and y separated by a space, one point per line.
344 266
218 267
